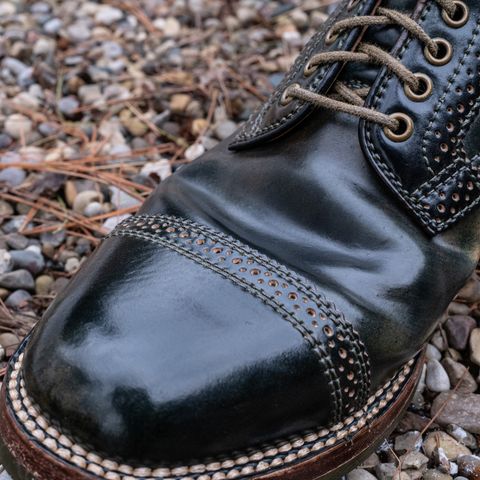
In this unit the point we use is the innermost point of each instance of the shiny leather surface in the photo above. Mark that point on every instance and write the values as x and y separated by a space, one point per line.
149 356
431 171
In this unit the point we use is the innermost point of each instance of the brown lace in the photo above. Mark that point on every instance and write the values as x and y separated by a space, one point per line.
351 101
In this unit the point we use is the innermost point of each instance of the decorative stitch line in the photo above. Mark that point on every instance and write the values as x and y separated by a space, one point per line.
339 338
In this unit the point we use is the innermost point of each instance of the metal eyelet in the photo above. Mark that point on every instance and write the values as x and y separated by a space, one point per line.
444 55
309 69
404 131
424 91
286 98
330 37
352 4
460 17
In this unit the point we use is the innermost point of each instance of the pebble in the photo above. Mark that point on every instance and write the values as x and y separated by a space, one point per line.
475 346
90 94
53 238
18 126
6 262
18 299
439 341
360 474
436 475
179 102
121 199
78 32
414 460
108 15
161 169
17 280
462 436
68 105
469 466
386 471
194 151
29 259
85 198
432 353
9 342
471 291
43 285
437 379
225 129
93 209
52 26
16 241
458 328
12 176
462 409
459 374
72 265
7 9
441 440
409 441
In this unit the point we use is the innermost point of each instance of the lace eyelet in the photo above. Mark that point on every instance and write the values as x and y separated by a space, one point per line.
286 98
405 130
330 37
460 17
444 55
309 69
425 90
352 4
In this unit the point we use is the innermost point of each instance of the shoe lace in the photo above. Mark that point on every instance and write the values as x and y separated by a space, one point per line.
351 101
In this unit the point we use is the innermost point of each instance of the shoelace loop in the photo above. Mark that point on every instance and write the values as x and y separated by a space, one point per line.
418 86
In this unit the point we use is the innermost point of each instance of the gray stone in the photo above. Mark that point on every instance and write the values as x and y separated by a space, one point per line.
458 328
360 474
78 32
16 241
108 15
432 353
30 260
224 129
407 442
470 293
4 475
53 238
436 475
459 376
7 9
52 26
18 126
475 346
83 199
469 466
68 105
437 379
72 265
439 341
18 299
462 409
17 280
12 176
6 262
462 436
413 460
441 440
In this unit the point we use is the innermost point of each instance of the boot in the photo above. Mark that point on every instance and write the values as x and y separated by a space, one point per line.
264 314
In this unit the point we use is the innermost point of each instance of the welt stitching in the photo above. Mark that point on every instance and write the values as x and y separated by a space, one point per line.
451 81
327 307
323 356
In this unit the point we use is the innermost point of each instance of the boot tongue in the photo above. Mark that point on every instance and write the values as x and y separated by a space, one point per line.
358 75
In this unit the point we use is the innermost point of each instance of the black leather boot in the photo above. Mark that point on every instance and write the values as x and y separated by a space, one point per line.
263 315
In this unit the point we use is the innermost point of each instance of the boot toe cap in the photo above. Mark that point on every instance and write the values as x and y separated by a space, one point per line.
150 357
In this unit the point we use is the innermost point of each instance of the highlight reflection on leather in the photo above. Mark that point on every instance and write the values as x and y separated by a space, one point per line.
148 355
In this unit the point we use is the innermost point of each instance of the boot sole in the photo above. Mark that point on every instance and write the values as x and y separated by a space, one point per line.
31 448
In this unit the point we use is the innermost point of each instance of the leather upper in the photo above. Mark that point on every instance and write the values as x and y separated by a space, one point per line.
163 349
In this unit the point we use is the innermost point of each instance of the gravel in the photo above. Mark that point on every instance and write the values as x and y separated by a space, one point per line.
99 104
